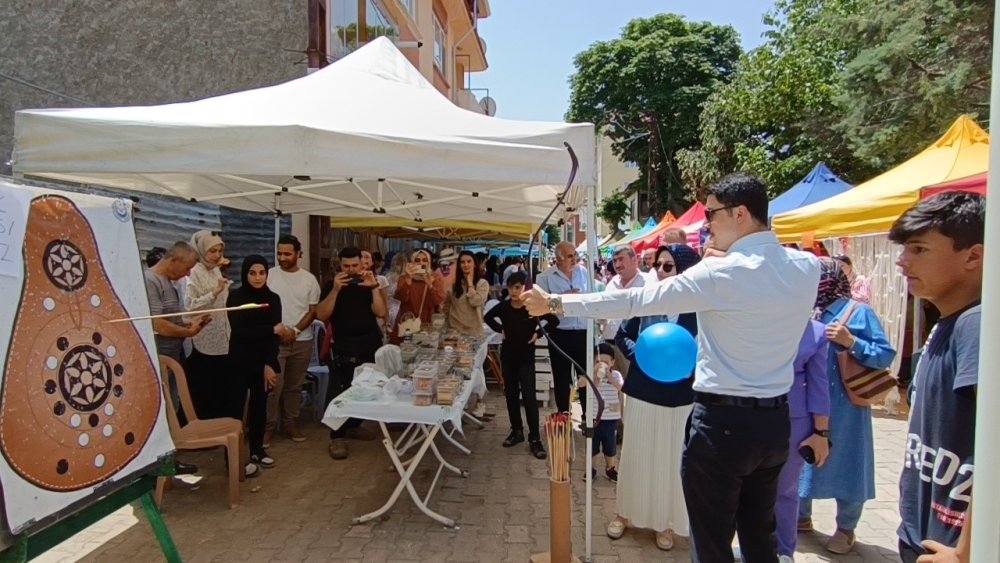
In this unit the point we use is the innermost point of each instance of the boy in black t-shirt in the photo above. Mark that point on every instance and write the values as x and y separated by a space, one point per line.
517 359
942 260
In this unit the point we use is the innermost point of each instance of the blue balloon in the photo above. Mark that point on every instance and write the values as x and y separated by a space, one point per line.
666 352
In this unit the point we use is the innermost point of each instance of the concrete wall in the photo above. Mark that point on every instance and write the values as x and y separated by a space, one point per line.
139 52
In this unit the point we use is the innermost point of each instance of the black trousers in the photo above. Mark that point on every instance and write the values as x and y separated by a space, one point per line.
341 376
251 380
210 381
574 343
729 471
519 383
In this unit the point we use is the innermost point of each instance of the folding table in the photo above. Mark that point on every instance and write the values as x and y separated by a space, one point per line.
425 424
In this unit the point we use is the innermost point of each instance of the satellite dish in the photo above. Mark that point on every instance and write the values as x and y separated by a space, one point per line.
489 106
482 45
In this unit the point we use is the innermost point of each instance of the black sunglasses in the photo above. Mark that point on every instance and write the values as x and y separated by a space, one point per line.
709 212
665 266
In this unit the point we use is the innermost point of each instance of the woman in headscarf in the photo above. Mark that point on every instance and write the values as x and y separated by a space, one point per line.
649 484
253 349
467 296
849 472
420 291
207 365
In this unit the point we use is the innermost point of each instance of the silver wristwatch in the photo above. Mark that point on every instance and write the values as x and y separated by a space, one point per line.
555 304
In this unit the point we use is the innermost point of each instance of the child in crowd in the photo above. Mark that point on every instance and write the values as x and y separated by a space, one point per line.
609 383
942 260
517 358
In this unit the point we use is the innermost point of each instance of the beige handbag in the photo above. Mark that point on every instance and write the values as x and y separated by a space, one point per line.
410 323
865 386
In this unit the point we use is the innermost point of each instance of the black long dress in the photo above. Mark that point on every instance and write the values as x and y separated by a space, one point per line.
252 345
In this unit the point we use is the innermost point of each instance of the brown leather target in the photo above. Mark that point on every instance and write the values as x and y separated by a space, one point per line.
80 397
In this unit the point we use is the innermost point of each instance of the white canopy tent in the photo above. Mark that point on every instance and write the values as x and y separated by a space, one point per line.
367 136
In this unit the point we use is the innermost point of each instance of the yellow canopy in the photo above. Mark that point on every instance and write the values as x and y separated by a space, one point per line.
443 229
873 206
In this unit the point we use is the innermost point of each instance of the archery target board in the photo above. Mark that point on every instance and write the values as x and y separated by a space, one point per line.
80 399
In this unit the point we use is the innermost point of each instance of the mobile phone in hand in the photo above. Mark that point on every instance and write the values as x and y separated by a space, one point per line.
808 454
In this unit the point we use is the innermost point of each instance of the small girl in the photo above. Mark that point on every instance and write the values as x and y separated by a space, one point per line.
609 383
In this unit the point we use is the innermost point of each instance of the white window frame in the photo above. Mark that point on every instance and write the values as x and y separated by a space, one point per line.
411 7
440 46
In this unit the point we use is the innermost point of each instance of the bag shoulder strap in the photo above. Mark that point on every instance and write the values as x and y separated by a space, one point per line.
847 314
420 310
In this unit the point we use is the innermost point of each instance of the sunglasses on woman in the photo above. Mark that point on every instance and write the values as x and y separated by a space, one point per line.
665 266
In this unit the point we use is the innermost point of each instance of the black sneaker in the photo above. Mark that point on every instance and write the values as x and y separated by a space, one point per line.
612 474
537 449
513 439
593 475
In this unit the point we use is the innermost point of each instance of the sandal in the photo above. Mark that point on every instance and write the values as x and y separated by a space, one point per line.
665 540
616 528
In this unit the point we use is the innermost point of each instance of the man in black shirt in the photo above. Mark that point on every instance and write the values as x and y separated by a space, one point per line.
353 305
942 260
517 360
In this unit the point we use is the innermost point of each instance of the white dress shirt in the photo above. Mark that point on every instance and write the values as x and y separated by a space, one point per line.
752 305
554 281
611 325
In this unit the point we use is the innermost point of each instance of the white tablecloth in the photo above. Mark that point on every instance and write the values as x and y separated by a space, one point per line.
401 409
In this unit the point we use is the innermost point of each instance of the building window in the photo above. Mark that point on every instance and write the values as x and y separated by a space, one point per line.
344 33
379 23
440 46
629 165
411 7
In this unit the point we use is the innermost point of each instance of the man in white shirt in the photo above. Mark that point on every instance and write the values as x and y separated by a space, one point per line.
752 304
299 292
627 265
567 278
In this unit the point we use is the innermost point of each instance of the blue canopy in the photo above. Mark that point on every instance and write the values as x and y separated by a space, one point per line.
818 185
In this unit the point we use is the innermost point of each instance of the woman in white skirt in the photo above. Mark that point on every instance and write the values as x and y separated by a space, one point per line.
649 477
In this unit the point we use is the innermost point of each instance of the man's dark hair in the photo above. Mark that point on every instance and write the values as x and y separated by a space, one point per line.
376 256
960 216
349 252
744 189
292 240
154 255
844 258
518 260
517 278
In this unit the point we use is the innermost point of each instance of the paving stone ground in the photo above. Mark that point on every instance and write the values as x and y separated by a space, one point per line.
304 506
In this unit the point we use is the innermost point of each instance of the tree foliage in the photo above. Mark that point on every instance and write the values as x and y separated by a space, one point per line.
646 88
860 84
921 64
613 210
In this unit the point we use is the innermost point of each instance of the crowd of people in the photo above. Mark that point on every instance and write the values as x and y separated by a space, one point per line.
764 425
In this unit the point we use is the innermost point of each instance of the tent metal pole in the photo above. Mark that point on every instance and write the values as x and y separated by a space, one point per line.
591 234
277 224
986 520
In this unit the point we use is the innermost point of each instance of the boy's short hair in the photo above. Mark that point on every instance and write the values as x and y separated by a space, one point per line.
517 278
960 216
605 349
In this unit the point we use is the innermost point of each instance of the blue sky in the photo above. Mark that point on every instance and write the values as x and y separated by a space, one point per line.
531 43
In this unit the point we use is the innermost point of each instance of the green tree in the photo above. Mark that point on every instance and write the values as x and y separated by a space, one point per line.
613 210
920 64
776 117
862 85
645 89
553 236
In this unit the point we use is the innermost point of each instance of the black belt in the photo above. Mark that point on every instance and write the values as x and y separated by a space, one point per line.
711 399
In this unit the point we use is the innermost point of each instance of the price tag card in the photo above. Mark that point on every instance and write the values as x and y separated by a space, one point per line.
13 216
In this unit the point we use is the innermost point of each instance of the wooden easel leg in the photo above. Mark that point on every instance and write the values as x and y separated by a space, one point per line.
160 530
